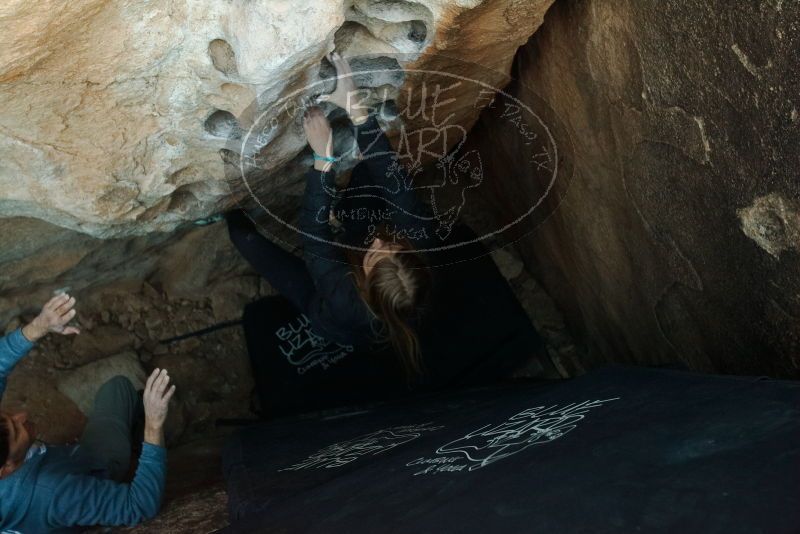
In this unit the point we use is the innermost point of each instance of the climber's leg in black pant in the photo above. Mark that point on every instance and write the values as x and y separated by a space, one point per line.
283 270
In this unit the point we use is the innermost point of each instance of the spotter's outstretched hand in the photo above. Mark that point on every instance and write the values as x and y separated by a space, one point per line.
55 314
157 393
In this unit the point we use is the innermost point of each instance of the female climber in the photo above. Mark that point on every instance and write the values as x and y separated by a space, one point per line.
370 285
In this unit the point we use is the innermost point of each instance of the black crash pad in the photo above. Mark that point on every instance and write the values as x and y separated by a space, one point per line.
477 332
617 450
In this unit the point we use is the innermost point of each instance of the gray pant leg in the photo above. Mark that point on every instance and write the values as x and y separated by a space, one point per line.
106 441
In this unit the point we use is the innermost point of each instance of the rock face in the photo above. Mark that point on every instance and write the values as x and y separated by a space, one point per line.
37 257
82 384
677 236
115 114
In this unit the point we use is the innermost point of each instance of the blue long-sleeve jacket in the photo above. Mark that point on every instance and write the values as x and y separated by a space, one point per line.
53 491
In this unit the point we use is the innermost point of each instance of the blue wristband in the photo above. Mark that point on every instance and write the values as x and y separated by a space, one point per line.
330 159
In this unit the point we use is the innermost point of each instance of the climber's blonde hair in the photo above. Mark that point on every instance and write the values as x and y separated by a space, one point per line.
396 290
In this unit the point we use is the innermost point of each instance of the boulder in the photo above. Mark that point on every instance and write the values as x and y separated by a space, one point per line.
671 235
81 385
99 342
117 116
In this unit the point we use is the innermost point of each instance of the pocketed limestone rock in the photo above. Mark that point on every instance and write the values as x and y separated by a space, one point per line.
116 115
